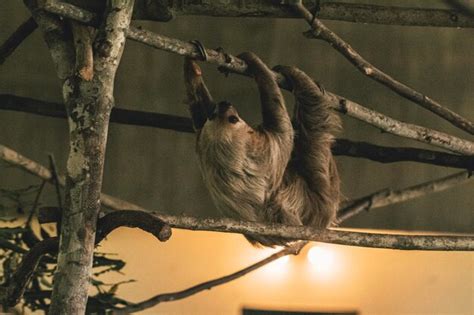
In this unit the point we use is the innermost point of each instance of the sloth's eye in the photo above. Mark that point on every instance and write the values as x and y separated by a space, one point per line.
233 119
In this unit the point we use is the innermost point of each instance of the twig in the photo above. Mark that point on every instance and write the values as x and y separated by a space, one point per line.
16 159
11 294
346 147
55 180
232 64
173 296
388 196
15 39
320 31
35 203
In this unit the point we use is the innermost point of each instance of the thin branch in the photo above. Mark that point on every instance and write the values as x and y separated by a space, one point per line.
16 159
345 147
320 31
173 296
229 63
15 39
11 294
388 196
384 154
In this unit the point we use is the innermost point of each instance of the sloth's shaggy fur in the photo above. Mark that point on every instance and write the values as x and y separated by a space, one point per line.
278 172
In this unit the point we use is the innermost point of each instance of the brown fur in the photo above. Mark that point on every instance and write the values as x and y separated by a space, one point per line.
278 172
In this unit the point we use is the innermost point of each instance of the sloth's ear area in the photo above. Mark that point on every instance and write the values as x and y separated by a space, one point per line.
199 100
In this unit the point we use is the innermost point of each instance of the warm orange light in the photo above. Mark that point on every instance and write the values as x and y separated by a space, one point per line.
323 259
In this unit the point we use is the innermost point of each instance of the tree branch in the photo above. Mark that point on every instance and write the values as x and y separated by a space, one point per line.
229 63
320 31
388 196
16 159
384 154
15 39
159 10
345 147
11 294
173 296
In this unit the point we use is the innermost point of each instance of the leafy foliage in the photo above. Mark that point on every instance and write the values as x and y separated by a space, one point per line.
18 236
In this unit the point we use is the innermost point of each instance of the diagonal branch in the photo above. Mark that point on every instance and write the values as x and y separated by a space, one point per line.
16 159
320 31
229 63
15 39
173 296
388 196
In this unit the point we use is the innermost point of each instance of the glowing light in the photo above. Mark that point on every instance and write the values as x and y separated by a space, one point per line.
323 259
281 262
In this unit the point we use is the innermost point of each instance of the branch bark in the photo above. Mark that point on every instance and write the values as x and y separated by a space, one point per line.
320 31
389 196
159 10
88 104
173 296
345 147
15 39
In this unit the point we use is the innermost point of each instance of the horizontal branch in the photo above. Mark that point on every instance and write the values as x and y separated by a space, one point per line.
11 294
389 241
160 10
389 196
229 63
149 119
16 38
320 31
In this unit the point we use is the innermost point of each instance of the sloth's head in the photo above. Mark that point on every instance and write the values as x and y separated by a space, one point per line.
225 125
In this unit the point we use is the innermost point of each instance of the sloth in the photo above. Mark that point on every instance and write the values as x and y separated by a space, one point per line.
281 171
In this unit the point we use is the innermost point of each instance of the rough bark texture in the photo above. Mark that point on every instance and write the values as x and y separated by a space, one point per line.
88 104
163 10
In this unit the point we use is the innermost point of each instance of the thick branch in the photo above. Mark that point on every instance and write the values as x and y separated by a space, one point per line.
229 63
388 196
159 10
389 241
341 147
15 39
11 294
320 31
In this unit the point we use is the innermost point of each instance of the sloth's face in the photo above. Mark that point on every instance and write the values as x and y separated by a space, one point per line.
224 124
